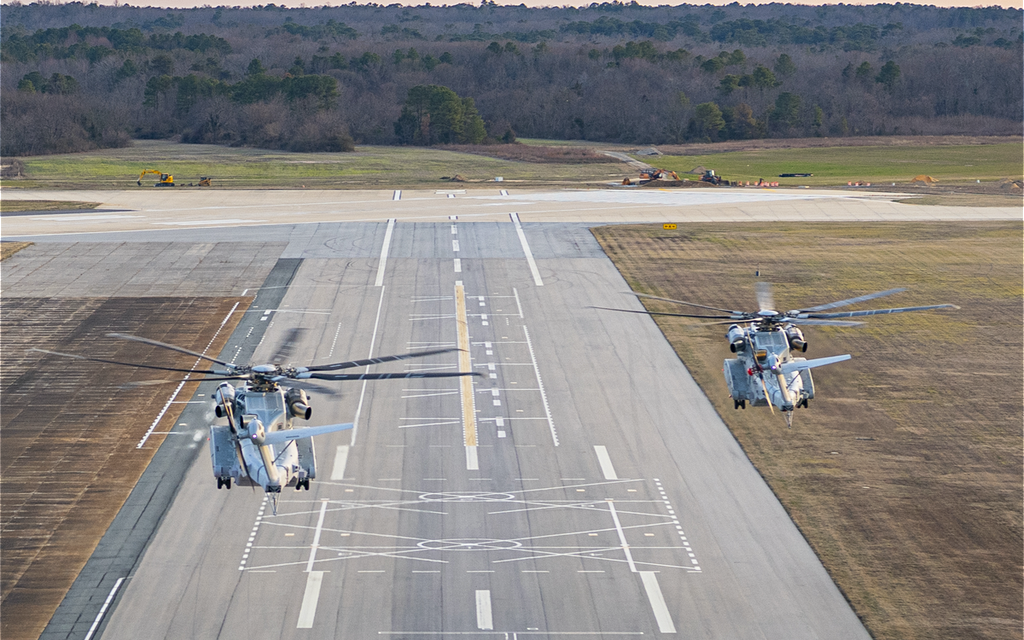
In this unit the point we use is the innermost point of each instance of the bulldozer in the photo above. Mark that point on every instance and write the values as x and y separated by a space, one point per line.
166 180
710 177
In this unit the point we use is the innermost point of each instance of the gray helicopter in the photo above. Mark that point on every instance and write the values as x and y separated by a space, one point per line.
766 372
259 445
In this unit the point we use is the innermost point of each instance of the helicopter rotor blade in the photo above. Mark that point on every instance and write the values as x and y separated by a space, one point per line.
875 312
383 376
377 360
128 364
691 304
164 345
843 303
823 323
658 313
765 299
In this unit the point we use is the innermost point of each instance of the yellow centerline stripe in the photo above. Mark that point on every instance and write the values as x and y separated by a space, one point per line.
468 402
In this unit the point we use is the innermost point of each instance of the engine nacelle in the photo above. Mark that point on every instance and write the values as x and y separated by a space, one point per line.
736 339
224 396
298 403
796 338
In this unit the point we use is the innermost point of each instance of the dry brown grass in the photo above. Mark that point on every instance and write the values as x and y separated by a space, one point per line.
905 473
11 206
8 249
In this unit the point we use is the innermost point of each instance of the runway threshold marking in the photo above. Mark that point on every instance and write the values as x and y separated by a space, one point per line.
484 620
466 386
657 600
384 253
606 462
314 581
340 459
526 249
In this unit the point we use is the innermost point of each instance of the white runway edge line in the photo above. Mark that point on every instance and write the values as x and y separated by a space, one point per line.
314 580
606 462
181 384
657 599
526 250
384 253
340 459
362 393
540 385
484 620
103 609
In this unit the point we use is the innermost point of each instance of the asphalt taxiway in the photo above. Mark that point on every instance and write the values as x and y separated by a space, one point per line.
582 485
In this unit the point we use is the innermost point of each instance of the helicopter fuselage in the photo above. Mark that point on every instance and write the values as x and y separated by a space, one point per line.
758 375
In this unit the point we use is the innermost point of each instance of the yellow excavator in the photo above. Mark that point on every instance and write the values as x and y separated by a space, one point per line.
166 180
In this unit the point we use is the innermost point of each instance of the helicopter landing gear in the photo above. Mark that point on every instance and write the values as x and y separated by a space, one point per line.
224 483
804 403
740 404
302 484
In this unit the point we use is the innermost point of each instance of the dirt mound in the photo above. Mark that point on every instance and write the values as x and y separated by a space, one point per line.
698 171
676 184
925 179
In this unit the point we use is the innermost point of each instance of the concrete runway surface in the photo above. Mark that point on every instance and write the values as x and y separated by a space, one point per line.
582 486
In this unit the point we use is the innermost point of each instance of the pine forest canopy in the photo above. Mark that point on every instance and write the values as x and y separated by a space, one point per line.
328 77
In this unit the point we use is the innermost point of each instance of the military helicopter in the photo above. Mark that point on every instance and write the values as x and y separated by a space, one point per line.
766 372
259 446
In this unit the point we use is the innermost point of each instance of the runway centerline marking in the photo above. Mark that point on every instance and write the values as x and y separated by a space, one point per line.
606 462
484 620
314 581
657 600
466 386
384 253
526 249
340 459
622 536
362 393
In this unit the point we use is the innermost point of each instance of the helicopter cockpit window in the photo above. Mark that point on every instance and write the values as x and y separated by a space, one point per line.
772 341
269 405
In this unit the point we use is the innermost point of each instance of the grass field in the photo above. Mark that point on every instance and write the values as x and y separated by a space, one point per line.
878 165
366 168
905 472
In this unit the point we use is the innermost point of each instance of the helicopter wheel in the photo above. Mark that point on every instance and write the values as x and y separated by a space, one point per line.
227 483
740 404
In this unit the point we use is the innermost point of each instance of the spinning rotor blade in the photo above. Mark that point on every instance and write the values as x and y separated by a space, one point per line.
691 304
369 361
875 312
765 299
128 364
823 323
843 303
658 313
287 346
382 376
156 343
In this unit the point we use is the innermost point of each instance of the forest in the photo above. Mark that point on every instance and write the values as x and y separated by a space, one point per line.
80 76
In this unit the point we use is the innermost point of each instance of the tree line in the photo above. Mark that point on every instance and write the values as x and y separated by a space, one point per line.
77 76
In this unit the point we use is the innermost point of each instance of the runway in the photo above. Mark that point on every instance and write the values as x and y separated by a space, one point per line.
581 486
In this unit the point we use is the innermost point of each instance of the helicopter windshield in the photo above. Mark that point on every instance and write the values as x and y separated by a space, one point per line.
268 406
770 340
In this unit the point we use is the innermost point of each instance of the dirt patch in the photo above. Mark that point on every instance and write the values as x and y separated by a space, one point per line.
533 153
70 430
905 472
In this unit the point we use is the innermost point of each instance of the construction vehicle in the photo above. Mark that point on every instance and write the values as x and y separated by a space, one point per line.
166 180
205 182
709 176
652 174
